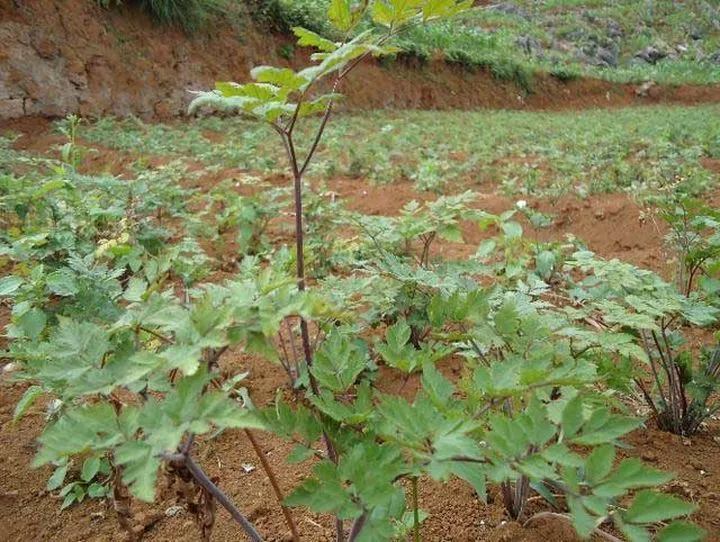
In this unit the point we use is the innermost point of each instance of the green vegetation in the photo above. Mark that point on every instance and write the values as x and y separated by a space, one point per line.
623 40
191 15
639 150
125 296
515 40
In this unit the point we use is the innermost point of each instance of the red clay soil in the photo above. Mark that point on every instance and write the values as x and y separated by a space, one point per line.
61 56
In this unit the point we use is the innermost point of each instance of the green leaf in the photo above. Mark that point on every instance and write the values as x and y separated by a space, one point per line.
635 533
282 77
439 388
603 427
90 468
299 454
599 463
475 474
681 532
434 9
308 38
62 283
650 507
632 473
26 401
79 429
324 492
57 478
338 362
9 285
70 498
545 263
340 14
135 289
572 417
583 522
33 323
97 491
140 468
512 230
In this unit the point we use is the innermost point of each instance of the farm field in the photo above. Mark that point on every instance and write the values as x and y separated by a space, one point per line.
286 316
593 176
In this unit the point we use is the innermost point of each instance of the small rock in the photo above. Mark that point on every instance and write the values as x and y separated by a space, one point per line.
12 109
696 34
686 442
694 463
599 214
174 511
9 367
510 9
46 49
607 56
528 45
614 30
651 54
644 89
714 58
650 456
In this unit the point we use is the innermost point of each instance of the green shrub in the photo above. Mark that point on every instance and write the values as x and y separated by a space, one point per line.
191 15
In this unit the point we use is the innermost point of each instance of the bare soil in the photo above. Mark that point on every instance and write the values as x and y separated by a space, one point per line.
612 225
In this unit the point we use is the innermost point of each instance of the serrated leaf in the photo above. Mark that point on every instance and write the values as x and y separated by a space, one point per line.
308 38
135 289
632 473
26 401
324 492
282 77
512 230
599 463
299 454
9 285
340 14
140 465
338 363
635 533
650 506
475 474
681 532
439 388
572 417
615 427
583 522
33 323
62 283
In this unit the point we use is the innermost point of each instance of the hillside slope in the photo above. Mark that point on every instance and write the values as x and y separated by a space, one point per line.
64 56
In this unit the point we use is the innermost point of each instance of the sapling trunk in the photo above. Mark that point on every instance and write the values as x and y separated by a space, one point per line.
300 274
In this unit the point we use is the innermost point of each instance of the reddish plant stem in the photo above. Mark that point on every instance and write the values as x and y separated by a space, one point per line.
218 495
